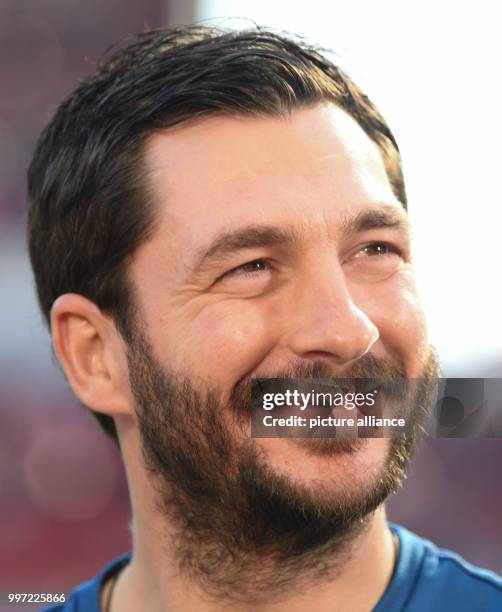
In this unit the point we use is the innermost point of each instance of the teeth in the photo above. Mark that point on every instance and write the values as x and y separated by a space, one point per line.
347 389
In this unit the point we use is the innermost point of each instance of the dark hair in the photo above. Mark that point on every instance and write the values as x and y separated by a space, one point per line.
89 207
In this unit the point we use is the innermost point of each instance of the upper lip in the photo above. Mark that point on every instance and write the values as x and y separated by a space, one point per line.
364 385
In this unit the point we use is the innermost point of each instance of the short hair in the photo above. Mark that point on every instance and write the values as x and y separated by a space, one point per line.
90 207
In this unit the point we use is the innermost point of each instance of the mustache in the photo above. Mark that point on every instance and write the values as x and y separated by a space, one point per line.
368 367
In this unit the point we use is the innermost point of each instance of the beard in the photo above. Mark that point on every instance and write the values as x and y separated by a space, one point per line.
236 526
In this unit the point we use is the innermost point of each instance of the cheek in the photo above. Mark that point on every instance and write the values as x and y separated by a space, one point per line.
227 340
396 310
406 333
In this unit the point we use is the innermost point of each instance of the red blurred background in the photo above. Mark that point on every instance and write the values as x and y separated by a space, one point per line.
64 509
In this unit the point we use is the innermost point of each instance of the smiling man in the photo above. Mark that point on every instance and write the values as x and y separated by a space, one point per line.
209 208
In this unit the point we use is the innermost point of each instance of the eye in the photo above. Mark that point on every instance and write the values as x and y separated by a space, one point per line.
378 248
375 261
251 268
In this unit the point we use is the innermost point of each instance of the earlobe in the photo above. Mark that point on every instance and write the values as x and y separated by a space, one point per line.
87 349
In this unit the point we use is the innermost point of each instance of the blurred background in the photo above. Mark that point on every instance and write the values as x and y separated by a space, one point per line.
433 70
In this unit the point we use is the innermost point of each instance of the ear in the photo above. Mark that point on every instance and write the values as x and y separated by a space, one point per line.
92 355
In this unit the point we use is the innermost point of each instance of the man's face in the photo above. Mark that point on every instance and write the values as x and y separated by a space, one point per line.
280 248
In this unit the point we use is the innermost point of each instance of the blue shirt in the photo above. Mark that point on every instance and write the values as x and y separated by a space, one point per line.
425 579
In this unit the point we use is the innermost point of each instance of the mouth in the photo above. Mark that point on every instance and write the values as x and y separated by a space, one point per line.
330 407
351 418
361 396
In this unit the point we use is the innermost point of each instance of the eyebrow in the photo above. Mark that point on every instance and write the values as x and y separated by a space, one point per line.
388 217
256 235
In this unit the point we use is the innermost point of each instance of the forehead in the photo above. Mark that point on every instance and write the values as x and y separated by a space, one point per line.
314 168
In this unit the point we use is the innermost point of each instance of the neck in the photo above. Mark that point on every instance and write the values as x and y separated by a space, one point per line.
153 581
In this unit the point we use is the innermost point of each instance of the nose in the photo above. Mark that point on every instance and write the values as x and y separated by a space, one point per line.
327 324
